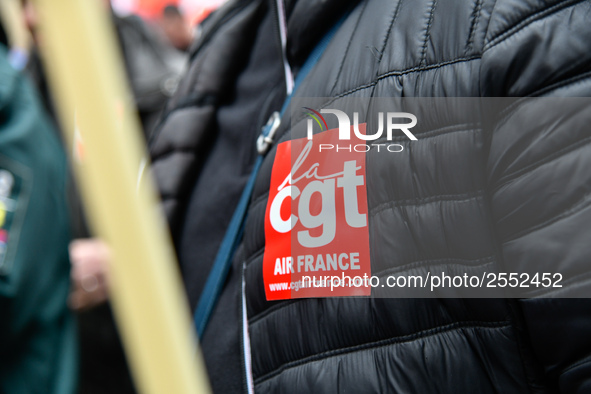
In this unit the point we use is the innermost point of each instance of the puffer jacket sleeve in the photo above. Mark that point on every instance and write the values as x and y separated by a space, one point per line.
539 174
540 194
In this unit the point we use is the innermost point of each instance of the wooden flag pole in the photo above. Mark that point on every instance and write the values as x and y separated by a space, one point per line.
78 46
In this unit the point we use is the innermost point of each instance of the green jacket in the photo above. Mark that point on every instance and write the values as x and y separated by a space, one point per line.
37 332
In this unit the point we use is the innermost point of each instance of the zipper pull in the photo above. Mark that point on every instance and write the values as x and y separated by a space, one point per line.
265 139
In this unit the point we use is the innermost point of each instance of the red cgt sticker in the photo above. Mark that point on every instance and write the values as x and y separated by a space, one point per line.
316 222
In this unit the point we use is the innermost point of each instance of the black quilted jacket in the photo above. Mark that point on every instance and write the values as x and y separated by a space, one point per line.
501 199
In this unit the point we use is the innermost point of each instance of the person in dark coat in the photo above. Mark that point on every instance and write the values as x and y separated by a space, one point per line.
469 195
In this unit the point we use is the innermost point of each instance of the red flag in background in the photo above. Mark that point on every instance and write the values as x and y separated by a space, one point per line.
193 10
152 9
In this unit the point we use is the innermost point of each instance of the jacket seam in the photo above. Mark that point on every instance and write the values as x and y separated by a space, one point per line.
423 334
537 164
420 201
586 360
578 207
437 262
492 14
561 84
348 47
475 17
273 308
389 32
428 67
427 33
392 73
540 14
410 70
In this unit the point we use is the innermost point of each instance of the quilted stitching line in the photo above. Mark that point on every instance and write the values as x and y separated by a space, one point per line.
427 34
567 82
277 305
436 262
535 165
474 22
348 46
528 20
458 326
428 67
578 207
389 32
426 200
586 360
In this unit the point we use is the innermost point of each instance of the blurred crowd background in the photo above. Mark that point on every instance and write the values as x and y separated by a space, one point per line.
154 37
